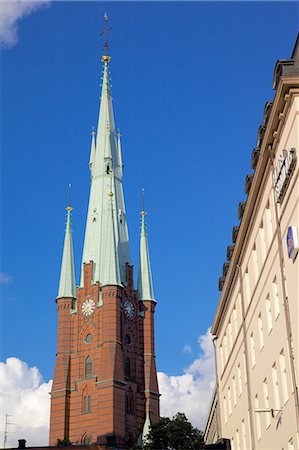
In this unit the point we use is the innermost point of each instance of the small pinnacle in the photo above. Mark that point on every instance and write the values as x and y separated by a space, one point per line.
69 208
92 131
118 133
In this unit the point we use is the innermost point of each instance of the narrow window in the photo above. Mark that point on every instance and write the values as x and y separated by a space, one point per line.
258 418
85 439
88 367
269 314
252 350
229 399
130 401
127 368
239 380
89 403
268 225
232 444
247 288
244 437
238 439
254 265
261 331
266 402
225 348
230 335
275 387
262 245
225 409
275 298
283 374
84 404
235 321
244 368
234 392
291 444
221 358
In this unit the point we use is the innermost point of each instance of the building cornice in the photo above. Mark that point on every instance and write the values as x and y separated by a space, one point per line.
286 89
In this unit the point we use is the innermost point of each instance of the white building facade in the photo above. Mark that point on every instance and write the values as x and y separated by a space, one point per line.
256 322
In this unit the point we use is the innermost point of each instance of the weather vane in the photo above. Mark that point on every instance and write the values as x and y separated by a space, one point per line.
105 33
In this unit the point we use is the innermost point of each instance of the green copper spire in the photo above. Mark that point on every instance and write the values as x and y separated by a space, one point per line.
145 282
106 235
67 284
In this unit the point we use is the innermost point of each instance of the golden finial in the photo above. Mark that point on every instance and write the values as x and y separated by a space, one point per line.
106 47
110 194
143 213
69 208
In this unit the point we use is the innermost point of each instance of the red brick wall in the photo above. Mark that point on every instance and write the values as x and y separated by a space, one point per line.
108 386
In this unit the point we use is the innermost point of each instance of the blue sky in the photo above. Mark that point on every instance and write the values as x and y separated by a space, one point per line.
189 83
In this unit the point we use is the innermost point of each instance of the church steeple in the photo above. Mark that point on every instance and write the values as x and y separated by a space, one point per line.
145 282
67 284
106 177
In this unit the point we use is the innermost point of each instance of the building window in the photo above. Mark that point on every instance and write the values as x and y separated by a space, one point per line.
275 298
275 387
221 358
86 403
234 392
130 401
225 409
239 380
269 314
262 245
283 374
258 418
229 400
252 350
261 331
254 267
268 225
238 439
85 439
88 367
235 319
225 350
230 335
244 437
266 402
127 368
291 444
247 288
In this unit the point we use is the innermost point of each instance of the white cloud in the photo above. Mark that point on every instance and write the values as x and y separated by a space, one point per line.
191 392
11 12
5 278
187 349
26 399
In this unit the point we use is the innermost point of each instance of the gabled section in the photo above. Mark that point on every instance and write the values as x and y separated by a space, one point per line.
67 284
145 282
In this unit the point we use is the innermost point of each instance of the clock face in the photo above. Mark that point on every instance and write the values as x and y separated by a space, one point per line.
129 309
88 307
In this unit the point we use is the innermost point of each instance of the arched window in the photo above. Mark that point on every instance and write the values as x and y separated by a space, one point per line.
127 368
85 439
88 367
130 401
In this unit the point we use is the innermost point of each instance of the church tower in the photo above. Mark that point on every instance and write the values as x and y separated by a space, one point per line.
105 388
